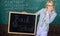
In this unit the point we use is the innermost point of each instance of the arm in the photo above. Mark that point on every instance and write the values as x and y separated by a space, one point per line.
52 17
37 13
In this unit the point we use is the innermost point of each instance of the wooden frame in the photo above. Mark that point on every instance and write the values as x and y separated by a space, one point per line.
22 32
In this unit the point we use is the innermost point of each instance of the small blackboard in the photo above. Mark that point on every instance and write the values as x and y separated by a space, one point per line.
22 23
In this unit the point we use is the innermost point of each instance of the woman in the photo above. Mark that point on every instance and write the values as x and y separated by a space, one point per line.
47 15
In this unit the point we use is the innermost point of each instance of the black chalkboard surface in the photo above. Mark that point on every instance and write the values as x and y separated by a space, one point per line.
22 23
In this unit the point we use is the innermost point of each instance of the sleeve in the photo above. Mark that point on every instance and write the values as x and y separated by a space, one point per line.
39 12
53 17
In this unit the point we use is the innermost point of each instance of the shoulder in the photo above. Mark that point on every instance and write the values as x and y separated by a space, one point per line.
42 10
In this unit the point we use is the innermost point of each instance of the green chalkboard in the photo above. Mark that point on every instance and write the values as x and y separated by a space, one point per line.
30 6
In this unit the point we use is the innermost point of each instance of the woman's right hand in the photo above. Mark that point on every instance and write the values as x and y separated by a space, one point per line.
23 12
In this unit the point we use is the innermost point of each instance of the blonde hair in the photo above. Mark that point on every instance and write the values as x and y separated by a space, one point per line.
50 1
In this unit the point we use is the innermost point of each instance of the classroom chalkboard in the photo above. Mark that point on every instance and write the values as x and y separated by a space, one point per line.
22 23
30 6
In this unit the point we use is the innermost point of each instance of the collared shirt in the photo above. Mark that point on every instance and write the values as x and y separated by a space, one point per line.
45 18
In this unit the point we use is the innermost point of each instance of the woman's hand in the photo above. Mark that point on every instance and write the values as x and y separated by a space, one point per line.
23 12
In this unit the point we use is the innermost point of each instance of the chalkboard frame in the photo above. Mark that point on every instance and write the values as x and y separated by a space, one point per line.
22 32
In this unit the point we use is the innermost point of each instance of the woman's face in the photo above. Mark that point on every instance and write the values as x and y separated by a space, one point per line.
50 6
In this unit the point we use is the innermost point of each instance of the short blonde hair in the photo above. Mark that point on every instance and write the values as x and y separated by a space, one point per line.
50 1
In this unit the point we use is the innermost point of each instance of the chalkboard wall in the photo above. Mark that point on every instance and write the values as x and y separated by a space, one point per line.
31 6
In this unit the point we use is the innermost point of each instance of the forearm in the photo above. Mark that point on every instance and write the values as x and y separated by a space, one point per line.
52 17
